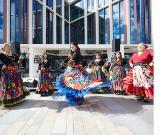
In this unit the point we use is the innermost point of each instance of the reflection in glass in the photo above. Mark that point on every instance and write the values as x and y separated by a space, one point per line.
104 28
49 3
66 33
77 31
140 21
37 23
59 7
49 27
77 10
59 30
101 3
91 5
116 21
1 21
91 27
119 27
66 13
18 16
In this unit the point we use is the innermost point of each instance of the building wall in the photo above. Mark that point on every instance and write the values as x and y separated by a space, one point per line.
85 21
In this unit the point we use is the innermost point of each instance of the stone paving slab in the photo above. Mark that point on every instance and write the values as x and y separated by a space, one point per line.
101 114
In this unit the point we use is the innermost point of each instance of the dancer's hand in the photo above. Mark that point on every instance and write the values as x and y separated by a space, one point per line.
151 64
131 65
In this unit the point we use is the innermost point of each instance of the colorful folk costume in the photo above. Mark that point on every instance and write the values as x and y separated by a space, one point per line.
128 82
117 72
45 86
101 74
143 75
76 81
12 88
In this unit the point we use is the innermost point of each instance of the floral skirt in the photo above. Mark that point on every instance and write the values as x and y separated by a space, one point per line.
143 82
75 83
12 89
117 76
45 86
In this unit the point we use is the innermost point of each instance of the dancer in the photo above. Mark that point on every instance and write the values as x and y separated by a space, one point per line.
142 63
118 73
76 81
12 88
101 73
45 87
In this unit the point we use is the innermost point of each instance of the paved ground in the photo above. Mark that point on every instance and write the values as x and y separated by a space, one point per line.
100 115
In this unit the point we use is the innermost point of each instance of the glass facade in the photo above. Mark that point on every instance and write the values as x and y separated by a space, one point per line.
49 3
59 30
1 21
140 21
104 26
77 10
101 3
49 27
18 16
66 12
37 23
66 33
91 27
77 31
91 6
119 26
73 18
59 7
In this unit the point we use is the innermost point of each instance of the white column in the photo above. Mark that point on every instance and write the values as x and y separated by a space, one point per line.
128 21
111 21
85 23
97 24
63 26
30 22
8 21
155 23
69 27
31 62
44 22
54 22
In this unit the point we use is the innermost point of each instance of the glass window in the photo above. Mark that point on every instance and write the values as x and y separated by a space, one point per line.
18 16
37 23
66 13
1 29
104 27
59 7
116 21
77 31
140 21
119 28
90 6
91 27
1 7
49 27
66 33
77 10
49 3
59 30
101 3
1 21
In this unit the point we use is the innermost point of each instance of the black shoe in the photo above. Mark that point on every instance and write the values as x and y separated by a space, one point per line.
140 98
146 100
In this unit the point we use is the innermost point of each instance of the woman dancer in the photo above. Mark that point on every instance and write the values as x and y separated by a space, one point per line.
45 82
142 63
118 73
12 88
76 81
